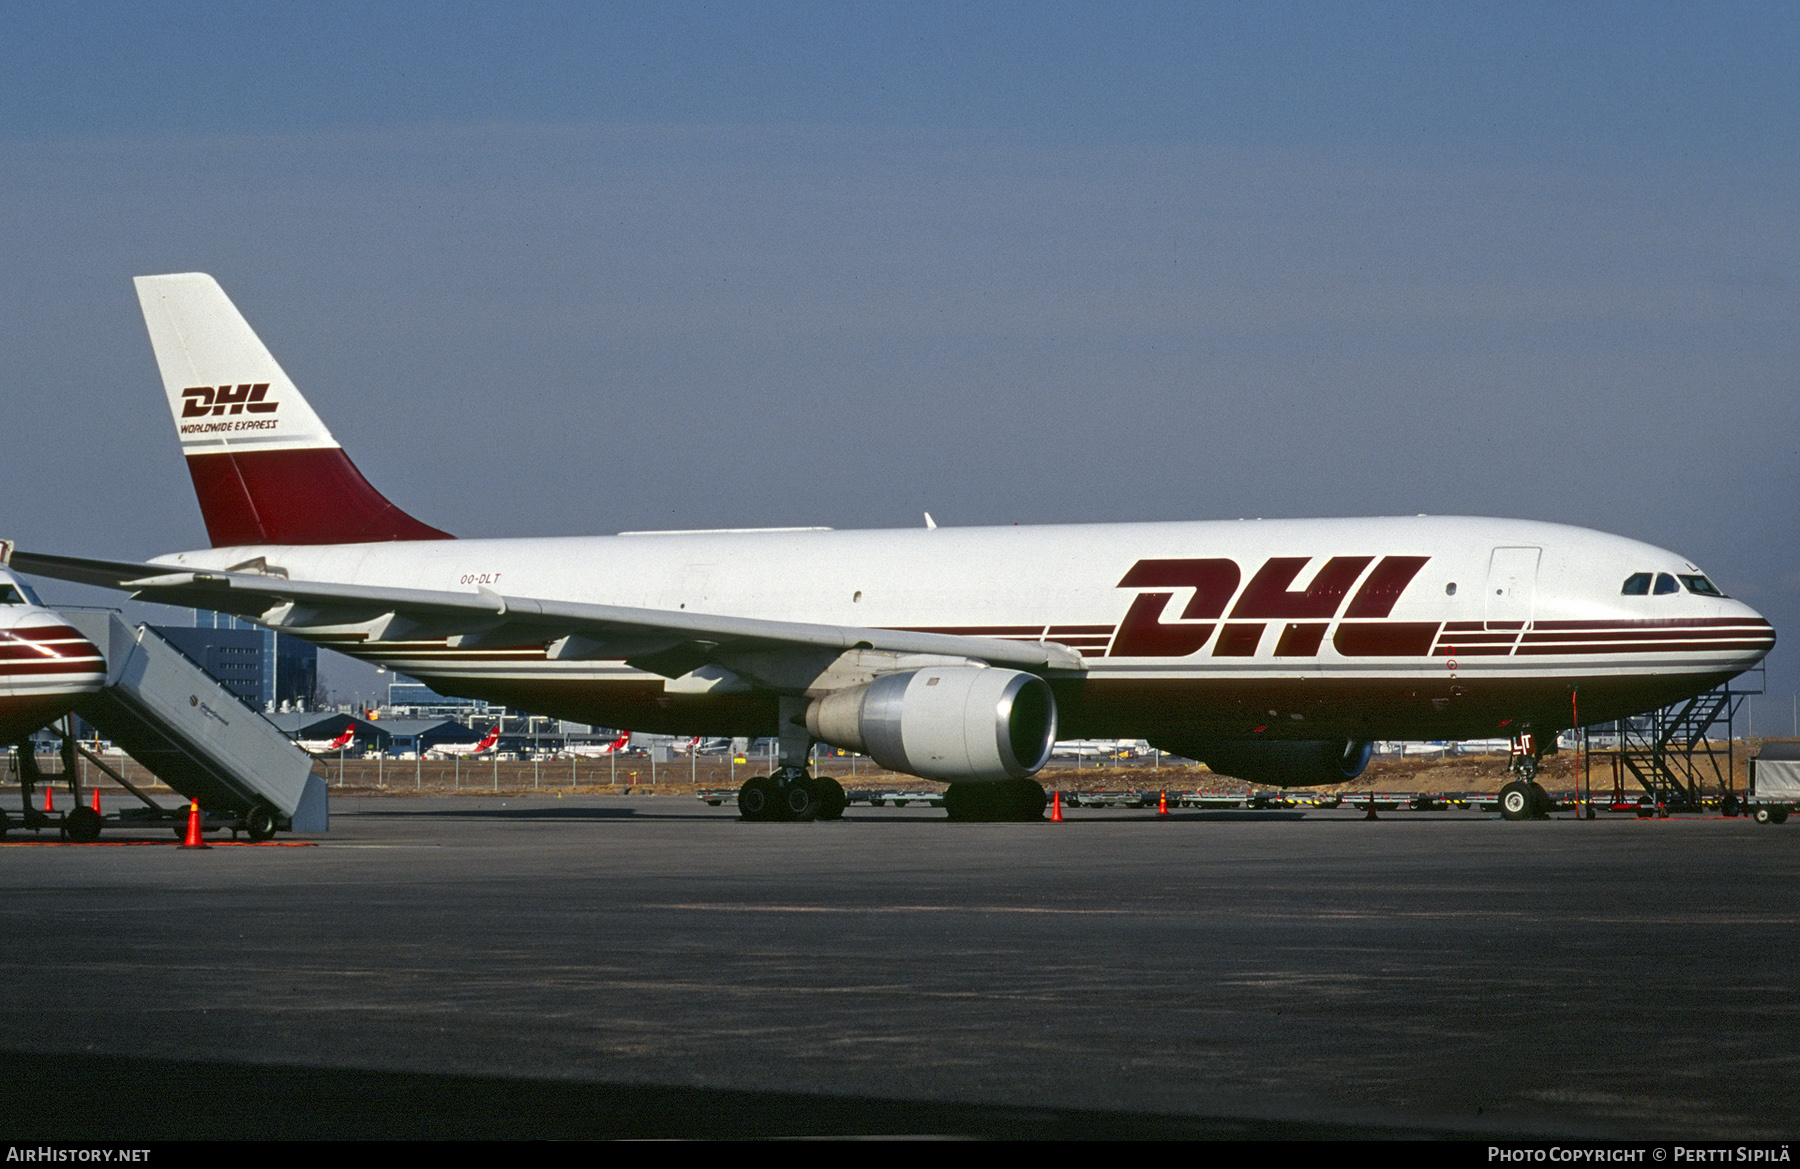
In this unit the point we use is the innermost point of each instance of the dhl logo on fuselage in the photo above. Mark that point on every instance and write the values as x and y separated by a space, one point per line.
1269 598
202 401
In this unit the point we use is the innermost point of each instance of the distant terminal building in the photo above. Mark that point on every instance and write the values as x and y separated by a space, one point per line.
414 699
422 701
258 665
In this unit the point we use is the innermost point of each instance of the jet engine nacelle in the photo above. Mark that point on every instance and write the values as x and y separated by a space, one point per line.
955 723
1307 763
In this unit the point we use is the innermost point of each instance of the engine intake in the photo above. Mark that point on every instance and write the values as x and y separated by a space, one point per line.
1307 763
955 723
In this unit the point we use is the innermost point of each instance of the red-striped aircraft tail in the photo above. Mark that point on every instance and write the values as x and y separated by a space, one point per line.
265 468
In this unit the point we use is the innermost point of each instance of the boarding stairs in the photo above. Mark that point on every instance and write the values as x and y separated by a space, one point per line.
194 734
1678 754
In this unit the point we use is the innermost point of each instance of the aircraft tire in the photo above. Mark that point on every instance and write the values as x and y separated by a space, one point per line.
1541 803
756 798
259 822
82 824
801 800
962 802
1028 800
1013 800
831 798
1516 802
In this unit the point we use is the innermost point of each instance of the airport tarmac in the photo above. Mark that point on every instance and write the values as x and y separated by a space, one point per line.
649 966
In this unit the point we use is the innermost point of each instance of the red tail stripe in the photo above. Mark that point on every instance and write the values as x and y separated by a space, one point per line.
314 496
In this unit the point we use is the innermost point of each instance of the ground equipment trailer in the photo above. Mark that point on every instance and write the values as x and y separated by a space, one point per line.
1774 783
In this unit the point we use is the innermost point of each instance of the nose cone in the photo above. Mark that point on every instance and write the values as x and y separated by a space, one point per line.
1757 635
46 669
1673 619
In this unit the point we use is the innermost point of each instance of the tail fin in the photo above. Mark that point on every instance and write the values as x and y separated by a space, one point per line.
264 467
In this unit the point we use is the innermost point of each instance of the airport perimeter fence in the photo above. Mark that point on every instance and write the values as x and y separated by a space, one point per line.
685 774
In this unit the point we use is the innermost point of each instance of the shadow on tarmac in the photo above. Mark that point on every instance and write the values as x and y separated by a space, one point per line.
515 811
64 1098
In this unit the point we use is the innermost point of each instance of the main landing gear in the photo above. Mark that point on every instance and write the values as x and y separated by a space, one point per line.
1524 798
791 794
1012 799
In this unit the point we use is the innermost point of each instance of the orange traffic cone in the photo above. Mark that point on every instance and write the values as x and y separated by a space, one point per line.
194 839
96 800
1056 808
1162 803
48 806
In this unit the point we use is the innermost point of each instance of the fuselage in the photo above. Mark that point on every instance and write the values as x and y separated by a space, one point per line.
1393 627
46 668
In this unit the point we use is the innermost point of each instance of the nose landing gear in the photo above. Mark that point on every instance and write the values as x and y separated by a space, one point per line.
1524 798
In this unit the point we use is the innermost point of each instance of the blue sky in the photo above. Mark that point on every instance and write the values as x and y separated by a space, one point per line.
1557 80
553 269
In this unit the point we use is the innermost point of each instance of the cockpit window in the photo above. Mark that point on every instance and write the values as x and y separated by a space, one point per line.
1701 586
10 595
1642 584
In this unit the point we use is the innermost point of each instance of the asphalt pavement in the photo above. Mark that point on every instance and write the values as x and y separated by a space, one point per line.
644 966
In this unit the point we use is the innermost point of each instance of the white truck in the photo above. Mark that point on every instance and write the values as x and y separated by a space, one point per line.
1774 783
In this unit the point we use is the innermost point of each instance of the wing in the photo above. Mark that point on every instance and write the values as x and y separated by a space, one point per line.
789 657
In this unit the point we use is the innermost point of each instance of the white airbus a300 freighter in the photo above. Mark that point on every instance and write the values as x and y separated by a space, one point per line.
1273 650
